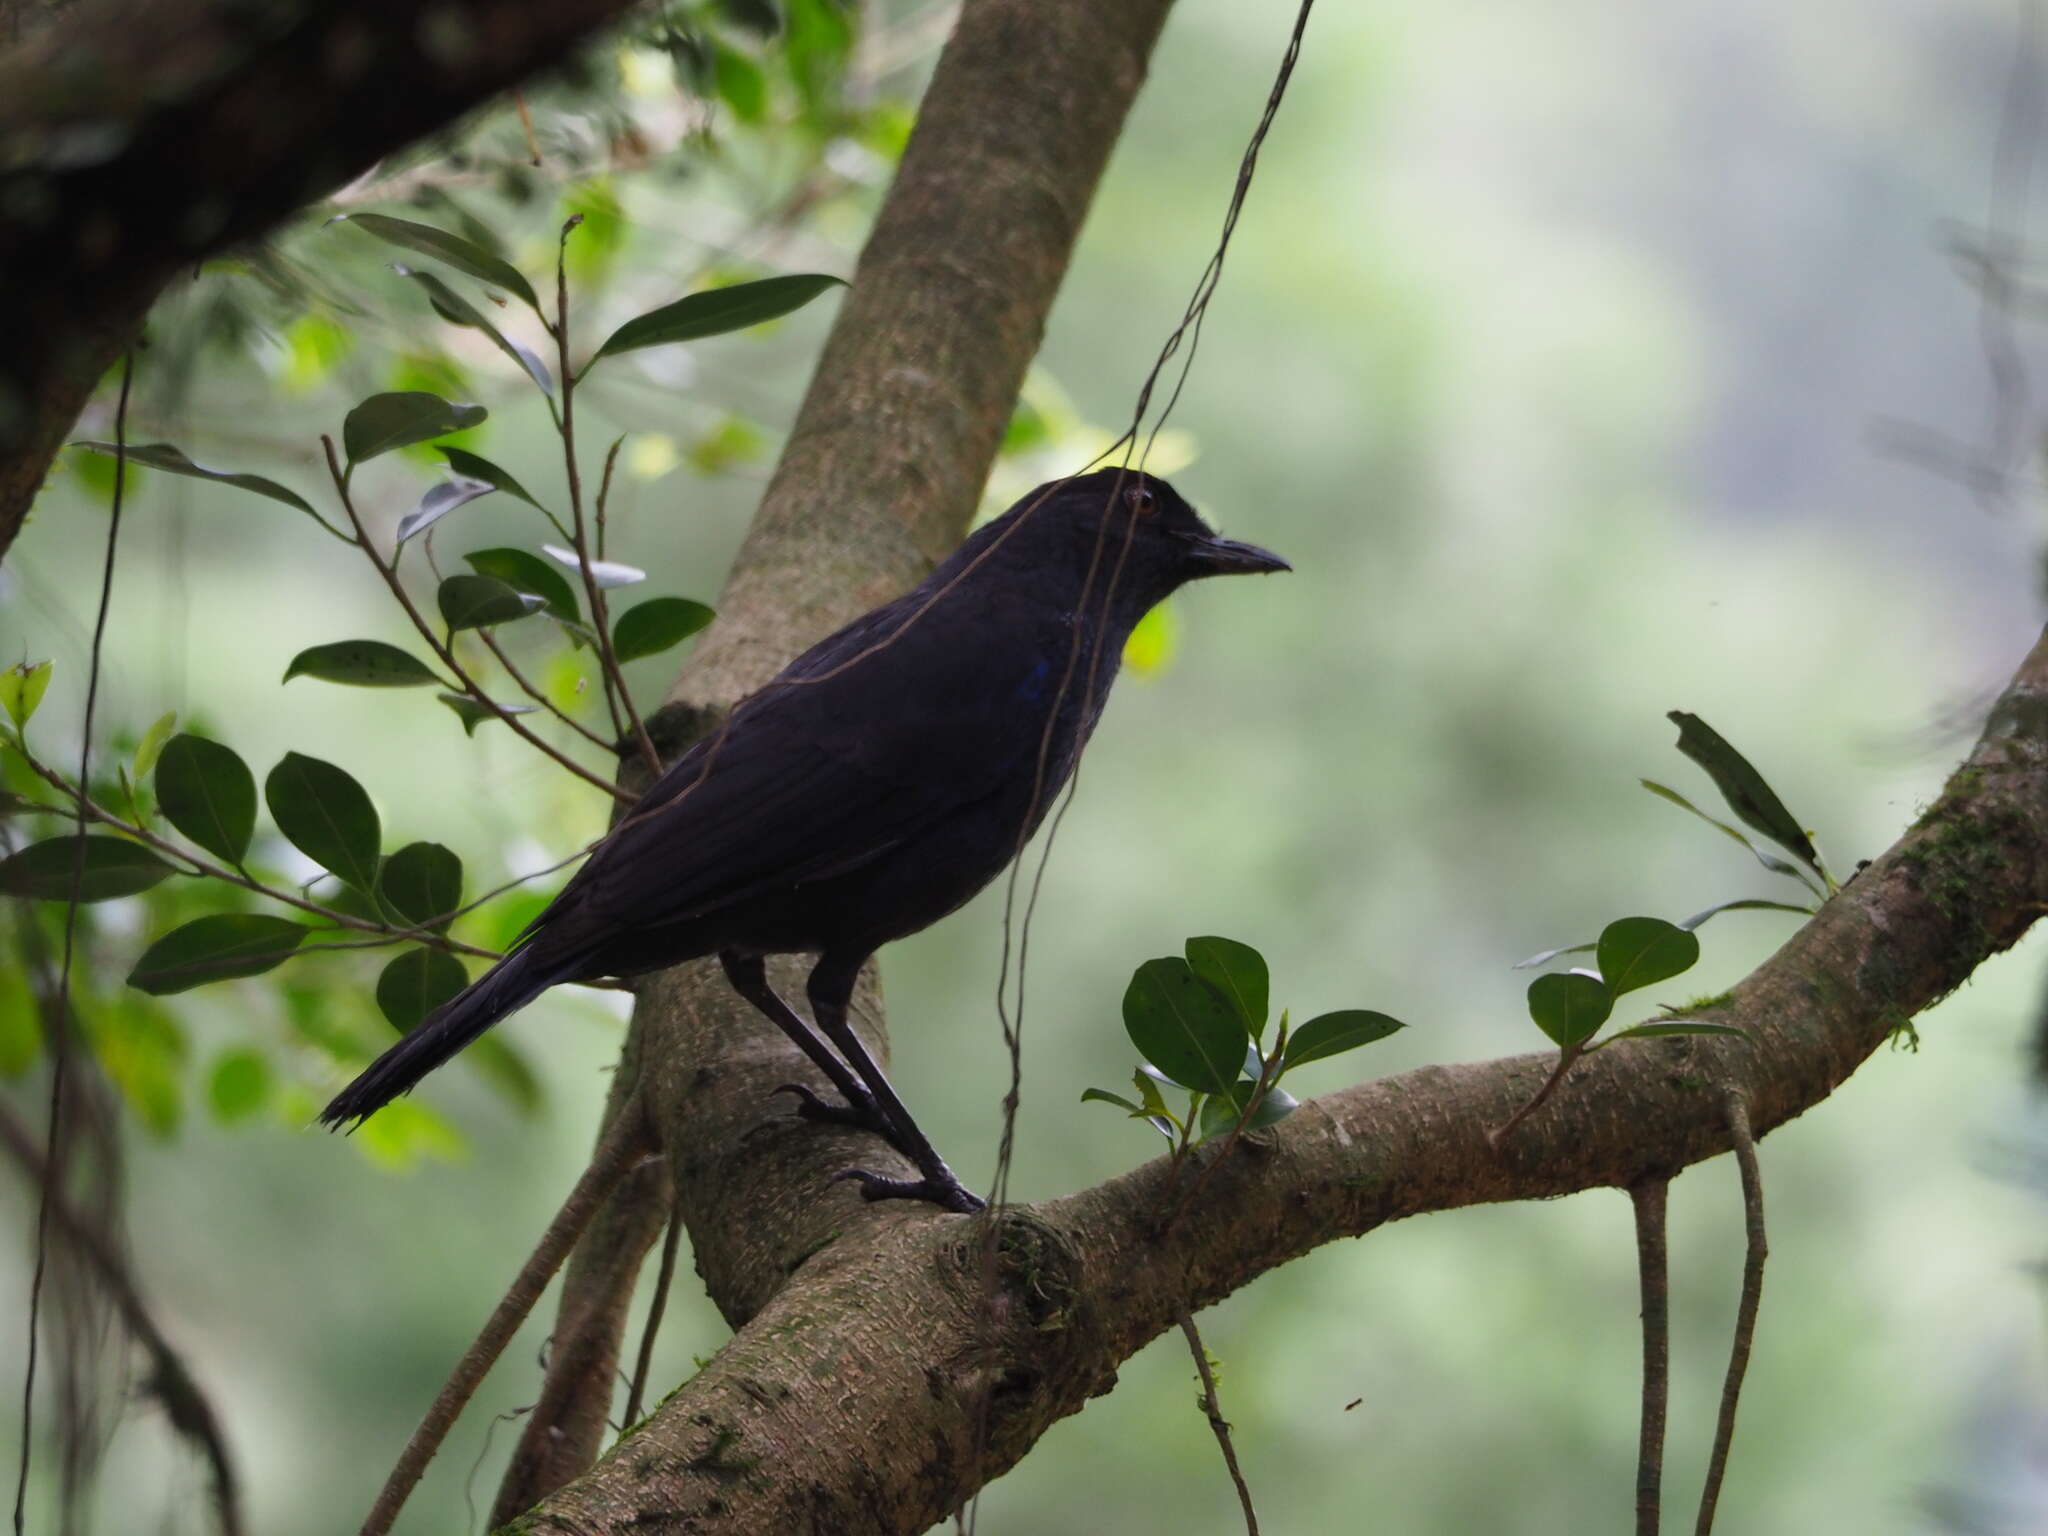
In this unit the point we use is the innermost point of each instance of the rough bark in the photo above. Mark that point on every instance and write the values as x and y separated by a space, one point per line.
879 479
849 1403
137 140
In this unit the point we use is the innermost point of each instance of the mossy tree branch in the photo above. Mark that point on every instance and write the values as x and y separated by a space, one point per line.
849 1402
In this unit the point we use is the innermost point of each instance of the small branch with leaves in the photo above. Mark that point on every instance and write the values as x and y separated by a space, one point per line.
207 793
1635 952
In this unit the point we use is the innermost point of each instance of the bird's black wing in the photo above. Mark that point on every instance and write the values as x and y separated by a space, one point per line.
850 751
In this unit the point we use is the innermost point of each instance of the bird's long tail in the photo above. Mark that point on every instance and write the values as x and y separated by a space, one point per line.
506 987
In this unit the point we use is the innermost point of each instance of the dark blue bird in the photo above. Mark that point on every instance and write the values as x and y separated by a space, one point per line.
879 781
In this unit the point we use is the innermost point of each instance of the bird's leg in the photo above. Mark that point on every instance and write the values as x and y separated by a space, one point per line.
831 990
749 977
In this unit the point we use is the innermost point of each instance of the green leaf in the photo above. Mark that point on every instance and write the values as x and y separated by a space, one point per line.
1147 1080
473 714
1637 952
1184 1026
474 466
327 816
462 255
717 311
1569 1007
416 983
647 629
113 867
152 744
524 572
453 307
239 1084
1215 1114
741 84
361 664
1222 1111
217 948
1765 857
206 791
172 461
1747 904
439 501
1656 1031
475 602
422 885
21 689
1329 1034
1753 800
1545 956
1104 1096
399 418
1237 971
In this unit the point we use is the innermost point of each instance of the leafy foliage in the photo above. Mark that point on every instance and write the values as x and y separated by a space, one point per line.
1197 1021
167 793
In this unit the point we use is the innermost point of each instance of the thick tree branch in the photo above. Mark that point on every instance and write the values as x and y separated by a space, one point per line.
879 479
849 1403
137 140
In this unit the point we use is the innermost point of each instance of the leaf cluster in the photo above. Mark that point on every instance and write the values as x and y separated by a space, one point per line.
1199 1020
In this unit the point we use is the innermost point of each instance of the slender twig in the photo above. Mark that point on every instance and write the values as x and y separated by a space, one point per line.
1214 1412
61 1021
446 656
170 1380
604 488
624 1144
617 698
526 122
92 810
1565 1058
1650 1201
665 1277
1753 1257
491 644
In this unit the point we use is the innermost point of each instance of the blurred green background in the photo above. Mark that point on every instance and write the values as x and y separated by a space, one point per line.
1553 350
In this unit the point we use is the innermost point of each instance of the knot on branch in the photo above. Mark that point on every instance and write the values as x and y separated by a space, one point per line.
1024 1272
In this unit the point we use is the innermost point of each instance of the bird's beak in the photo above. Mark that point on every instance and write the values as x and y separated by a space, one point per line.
1216 556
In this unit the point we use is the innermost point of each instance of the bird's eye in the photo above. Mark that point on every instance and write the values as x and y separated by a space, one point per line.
1139 500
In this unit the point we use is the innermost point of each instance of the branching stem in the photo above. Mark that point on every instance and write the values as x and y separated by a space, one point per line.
93 811
446 656
616 697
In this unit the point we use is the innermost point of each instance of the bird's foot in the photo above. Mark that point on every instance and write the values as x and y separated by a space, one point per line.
939 1187
861 1113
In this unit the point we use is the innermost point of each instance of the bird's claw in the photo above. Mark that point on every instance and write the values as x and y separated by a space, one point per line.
940 1189
862 1114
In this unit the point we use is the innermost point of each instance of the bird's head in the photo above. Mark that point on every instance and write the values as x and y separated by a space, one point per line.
1137 528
